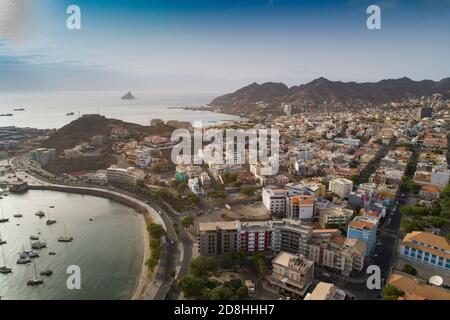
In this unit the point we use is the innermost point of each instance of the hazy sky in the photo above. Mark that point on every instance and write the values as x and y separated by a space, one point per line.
218 45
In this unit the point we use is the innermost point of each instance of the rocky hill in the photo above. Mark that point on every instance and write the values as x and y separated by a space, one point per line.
82 130
322 89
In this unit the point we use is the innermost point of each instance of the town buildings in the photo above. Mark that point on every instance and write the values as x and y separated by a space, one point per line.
426 248
129 176
292 273
341 187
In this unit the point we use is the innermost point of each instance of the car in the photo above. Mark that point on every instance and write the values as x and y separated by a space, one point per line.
172 242
375 255
326 274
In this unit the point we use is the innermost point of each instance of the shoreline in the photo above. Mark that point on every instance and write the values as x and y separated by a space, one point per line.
148 215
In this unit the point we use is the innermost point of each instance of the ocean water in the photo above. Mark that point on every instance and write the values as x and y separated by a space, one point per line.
108 250
47 110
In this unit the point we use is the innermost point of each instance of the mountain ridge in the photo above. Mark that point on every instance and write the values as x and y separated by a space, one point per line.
322 89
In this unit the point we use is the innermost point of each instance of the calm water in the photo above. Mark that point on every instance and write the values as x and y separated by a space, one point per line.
48 109
108 250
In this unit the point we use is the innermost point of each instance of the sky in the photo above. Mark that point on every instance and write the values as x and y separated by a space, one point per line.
176 46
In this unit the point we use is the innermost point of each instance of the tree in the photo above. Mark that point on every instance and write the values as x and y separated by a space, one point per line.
247 190
392 293
203 266
187 221
192 286
156 230
409 269
140 183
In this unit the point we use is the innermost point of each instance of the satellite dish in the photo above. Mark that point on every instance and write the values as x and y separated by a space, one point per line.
436 281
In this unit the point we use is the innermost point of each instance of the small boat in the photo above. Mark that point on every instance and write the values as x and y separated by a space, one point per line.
50 221
69 114
1 240
19 109
36 281
24 260
38 245
18 215
33 237
52 253
32 254
65 237
40 214
6 114
4 268
51 206
3 219
90 219
46 272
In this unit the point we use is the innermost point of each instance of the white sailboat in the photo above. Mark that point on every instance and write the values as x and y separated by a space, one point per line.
1 239
3 219
36 281
65 237
50 221
4 268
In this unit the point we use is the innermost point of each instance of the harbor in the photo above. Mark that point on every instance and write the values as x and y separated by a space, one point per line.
101 236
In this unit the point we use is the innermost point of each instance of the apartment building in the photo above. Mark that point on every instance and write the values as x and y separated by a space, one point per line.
216 238
128 176
326 291
300 207
291 236
341 187
274 199
426 248
292 274
334 216
364 228
329 248
255 236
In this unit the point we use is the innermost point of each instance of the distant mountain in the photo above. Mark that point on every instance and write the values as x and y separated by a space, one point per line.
128 96
322 89
253 93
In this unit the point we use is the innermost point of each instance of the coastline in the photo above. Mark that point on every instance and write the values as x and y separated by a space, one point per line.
144 278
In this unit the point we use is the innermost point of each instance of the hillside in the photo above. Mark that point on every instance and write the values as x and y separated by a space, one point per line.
82 130
322 89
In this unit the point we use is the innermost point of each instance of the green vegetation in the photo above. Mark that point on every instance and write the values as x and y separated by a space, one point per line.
247 190
420 217
233 259
203 266
260 262
229 178
218 194
140 183
408 185
200 284
409 269
187 221
155 169
392 293
156 231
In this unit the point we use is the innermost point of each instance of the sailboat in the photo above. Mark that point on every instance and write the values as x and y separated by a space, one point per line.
50 221
65 237
4 268
36 281
3 219
40 214
35 237
1 240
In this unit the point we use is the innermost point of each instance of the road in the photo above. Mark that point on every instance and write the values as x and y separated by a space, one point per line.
171 256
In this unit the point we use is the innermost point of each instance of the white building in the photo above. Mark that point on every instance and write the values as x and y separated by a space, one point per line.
300 207
194 186
274 199
129 176
341 187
